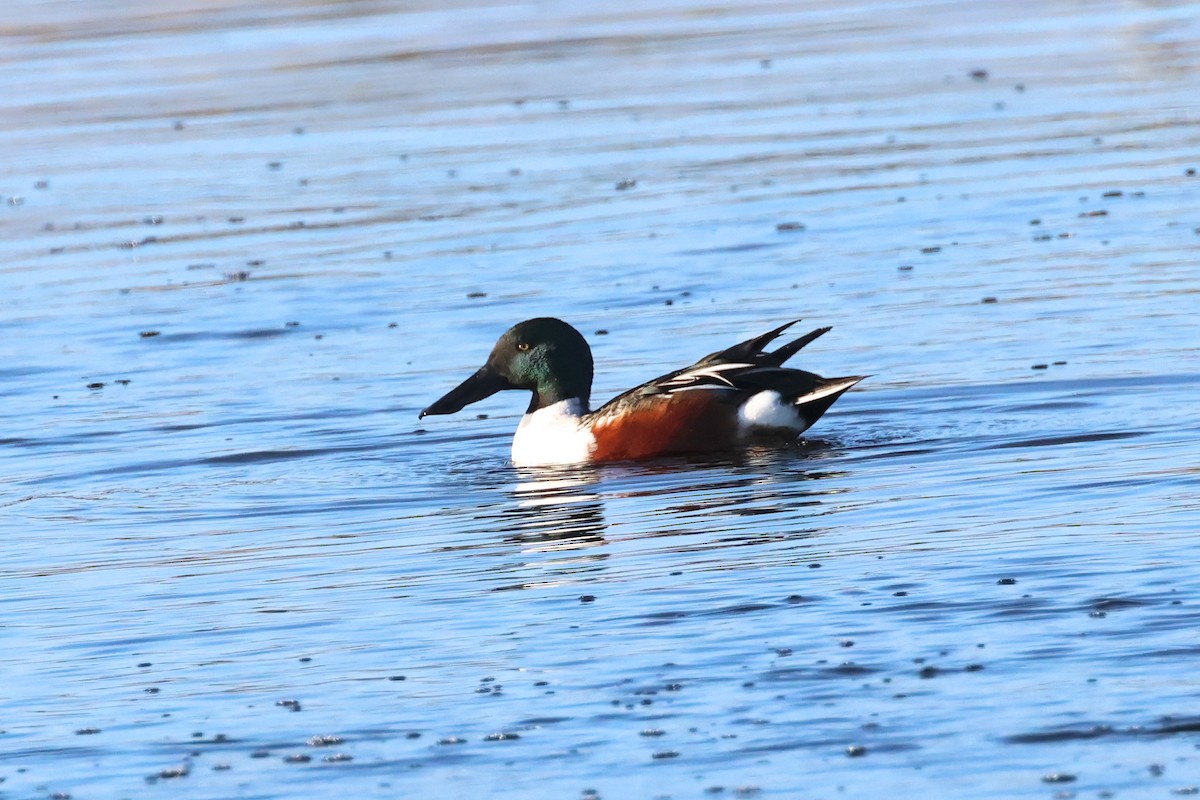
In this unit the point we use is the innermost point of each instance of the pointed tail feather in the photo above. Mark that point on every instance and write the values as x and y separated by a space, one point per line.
829 386
749 349
812 405
756 345
790 349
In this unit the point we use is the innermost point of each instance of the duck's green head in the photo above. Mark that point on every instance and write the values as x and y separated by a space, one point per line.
544 355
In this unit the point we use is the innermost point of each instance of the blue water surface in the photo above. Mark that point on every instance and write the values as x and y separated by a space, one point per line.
243 247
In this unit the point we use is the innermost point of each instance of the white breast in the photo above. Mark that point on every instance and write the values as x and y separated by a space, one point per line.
553 435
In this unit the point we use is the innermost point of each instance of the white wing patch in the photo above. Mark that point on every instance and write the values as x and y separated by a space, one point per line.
767 409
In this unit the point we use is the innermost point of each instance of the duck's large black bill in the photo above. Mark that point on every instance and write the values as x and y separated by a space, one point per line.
483 384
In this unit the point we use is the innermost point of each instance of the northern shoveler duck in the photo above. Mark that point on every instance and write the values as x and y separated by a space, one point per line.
731 397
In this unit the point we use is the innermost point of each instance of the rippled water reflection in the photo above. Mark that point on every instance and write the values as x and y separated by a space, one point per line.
244 246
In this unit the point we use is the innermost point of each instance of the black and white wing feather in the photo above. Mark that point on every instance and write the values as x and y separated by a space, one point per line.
707 376
746 366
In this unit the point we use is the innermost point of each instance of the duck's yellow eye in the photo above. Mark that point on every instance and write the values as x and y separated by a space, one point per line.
523 346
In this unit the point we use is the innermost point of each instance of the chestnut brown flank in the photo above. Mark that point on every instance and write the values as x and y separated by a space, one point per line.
671 423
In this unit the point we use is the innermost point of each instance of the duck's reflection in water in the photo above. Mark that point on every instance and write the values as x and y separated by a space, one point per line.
556 520
556 510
